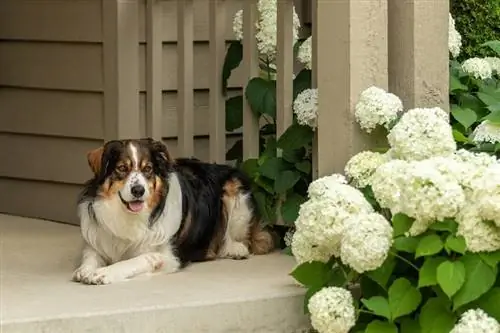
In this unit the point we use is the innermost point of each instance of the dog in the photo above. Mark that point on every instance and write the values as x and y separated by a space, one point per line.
144 212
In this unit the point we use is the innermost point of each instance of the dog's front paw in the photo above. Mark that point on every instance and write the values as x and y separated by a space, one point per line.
102 276
82 273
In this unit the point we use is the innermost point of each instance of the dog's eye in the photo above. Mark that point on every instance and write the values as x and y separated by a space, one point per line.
122 168
147 169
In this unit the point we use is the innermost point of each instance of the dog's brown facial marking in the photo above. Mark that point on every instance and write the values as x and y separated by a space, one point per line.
130 170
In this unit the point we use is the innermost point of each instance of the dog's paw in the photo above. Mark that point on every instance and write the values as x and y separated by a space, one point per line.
102 276
235 250
82 273
169 264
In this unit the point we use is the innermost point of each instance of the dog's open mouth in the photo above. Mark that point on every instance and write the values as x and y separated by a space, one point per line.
134 206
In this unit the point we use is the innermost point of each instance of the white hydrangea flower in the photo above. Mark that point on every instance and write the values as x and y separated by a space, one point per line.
238 25
386 184
332 310
494 63
454 38
486 132
473 166
479 235
478 159
266 26
365 242
305 107
428 195
486 194
319 187
304 54
360 168
377 107
322 219
476 321
479 68
305 250
288 237
422 133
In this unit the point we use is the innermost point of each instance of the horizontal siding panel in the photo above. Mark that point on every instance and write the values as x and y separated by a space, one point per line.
201 19
169 116
51 112
45 158
45 200
67 66
201 68
63 159
51 20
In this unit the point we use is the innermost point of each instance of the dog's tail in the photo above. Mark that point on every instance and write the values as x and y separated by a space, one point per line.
261 240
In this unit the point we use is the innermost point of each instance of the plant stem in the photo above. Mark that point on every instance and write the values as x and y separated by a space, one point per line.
365 311
405 260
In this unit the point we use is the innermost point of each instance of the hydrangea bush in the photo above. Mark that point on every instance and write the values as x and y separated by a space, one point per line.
407 240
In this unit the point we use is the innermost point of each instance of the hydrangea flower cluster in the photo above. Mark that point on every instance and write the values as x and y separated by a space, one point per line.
494 63
304 54
305 107
454 38
479 68
486 132
332 310
377 107
477 321
360 168
266 27
422 133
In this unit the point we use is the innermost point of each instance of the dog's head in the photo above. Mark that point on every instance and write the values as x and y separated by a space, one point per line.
134 171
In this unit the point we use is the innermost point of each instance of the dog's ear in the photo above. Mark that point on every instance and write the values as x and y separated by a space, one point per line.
161 156
94 158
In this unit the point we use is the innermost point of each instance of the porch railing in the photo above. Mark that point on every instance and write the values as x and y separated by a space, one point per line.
399 45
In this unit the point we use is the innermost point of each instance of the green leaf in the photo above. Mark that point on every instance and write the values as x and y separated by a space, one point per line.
488 99
250 167
290 208
494 45
428 246
451 277
260 200
455 84
401 223
294 155
449 225
427 275
296 136
382 274
409 325
272 167
378 326
403 298
261 95
302 81
304 166
286 180
493 117
378 305
456 244
435 317
459 136
234 56
491 258
406 244
466 117
314 273
234 113
489 303
479 278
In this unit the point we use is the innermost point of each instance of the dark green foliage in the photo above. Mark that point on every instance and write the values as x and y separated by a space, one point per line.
478 21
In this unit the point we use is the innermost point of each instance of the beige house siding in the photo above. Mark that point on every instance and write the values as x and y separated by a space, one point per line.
52 96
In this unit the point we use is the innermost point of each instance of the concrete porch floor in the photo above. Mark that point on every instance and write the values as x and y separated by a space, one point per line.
36 294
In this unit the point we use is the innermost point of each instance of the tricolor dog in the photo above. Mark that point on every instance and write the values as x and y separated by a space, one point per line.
143 211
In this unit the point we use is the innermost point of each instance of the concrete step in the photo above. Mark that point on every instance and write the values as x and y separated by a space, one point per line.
36 293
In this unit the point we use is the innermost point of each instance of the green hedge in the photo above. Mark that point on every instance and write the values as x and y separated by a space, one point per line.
477 21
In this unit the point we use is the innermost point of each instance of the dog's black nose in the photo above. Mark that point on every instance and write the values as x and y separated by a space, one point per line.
137 191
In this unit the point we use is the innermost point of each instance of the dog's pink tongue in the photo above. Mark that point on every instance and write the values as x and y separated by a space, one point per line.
135 206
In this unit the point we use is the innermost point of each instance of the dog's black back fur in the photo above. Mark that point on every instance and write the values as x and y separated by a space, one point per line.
202 190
